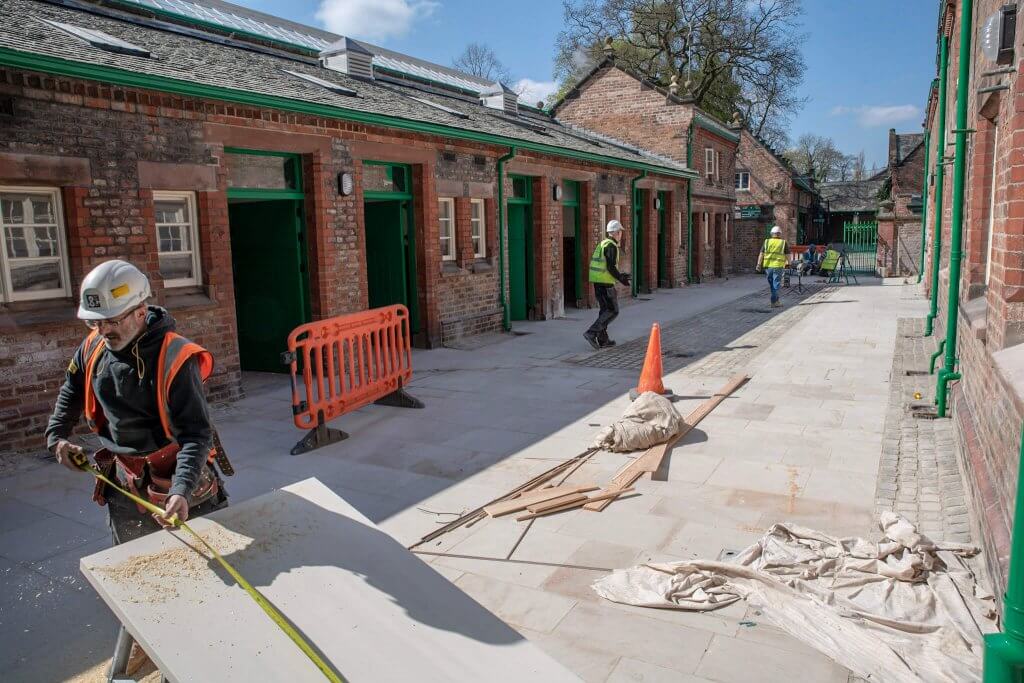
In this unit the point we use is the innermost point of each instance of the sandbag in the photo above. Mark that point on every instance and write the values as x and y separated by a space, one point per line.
650 419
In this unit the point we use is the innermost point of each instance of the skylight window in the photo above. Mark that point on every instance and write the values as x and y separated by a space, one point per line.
435 105
103 41
333 87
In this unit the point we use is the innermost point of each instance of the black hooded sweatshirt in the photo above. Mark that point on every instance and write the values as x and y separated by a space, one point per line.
125 388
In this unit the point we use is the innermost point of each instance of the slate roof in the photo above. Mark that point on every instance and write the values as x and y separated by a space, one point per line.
906 143
191 59
852 195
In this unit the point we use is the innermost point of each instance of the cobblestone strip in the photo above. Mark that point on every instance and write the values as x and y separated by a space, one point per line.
918 476
721 341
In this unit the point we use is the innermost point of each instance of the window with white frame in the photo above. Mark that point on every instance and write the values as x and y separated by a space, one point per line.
34 254
177 238
446 223
991 200
478 227
743 180
604 217
618 212
709 163
718 166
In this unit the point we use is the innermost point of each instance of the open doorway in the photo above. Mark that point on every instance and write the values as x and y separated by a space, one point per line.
390 238
572 270
719 246
663 277
521 288
270 271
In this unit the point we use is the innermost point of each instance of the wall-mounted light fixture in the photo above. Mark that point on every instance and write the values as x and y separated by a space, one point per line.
657 203
556 192
344 183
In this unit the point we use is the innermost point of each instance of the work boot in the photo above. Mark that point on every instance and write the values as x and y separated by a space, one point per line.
592 340
776 304
607 343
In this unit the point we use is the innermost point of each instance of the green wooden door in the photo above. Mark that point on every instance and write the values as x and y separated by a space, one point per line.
519 261
386 272
662 237
638 245
270 276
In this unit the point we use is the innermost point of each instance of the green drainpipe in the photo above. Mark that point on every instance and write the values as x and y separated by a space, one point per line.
947 373
924 208
634 287
1004 652
506 321
940 174
689 207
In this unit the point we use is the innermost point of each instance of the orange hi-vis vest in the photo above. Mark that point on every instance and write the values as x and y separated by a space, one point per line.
174 352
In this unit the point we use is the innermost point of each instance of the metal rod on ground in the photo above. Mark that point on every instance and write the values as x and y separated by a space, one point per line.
479 512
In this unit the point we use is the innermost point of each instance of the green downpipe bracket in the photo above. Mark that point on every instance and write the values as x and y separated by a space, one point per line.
940 174
956 233
635 260
935 356
924 207
689 207
1004 652
506 321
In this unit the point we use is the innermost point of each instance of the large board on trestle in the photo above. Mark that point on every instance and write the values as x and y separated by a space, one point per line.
374 610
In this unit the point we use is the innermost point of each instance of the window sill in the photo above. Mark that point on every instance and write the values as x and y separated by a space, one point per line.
449 268
188 298
482 265
18 315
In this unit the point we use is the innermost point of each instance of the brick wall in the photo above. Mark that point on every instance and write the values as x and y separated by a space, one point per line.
771 184
108 149
987 406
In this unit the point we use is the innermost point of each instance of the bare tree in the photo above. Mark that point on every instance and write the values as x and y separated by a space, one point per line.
859 170
818 155
729 55
480 60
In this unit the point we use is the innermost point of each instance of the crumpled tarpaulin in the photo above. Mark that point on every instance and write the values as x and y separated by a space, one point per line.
902 609
650 419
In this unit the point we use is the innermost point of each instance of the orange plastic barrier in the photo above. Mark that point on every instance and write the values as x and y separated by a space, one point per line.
345 363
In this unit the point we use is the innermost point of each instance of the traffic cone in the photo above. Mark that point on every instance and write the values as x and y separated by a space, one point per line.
650 376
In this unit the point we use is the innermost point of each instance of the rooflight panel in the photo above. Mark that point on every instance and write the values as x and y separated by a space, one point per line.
333 87
103 41
435 105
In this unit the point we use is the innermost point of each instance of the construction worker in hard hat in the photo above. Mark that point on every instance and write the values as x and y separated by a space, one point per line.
604 273
772 260
140 386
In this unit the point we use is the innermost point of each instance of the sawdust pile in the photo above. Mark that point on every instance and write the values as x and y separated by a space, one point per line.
156 578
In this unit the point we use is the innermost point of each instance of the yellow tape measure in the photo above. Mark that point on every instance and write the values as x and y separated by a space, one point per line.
82 461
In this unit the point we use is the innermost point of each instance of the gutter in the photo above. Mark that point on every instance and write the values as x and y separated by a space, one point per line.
690 279
947 373
123 77
940 174
637 210
506 322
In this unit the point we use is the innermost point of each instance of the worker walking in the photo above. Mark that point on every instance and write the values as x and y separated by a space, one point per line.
604 273
140 386
772 260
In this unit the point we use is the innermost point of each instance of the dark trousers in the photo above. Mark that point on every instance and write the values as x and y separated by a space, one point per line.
608 300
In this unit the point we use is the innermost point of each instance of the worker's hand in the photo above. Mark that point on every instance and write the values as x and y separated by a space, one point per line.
64 452
176 506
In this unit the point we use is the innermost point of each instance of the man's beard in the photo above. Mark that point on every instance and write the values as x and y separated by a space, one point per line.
117 342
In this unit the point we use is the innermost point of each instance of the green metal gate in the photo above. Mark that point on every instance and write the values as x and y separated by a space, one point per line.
861 244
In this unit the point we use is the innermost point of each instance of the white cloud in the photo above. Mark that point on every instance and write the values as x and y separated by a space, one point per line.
879 115
531 91
373 19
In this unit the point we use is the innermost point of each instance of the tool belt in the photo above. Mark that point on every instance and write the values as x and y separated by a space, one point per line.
149 476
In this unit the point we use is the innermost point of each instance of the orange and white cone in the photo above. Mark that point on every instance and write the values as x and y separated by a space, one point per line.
650 376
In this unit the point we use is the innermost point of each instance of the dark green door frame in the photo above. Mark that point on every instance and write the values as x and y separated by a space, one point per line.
401 177
663 275
521 279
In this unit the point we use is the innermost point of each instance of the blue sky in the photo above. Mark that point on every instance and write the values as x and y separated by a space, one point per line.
869 62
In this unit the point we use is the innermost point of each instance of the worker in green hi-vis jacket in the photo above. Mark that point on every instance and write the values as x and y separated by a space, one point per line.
604 273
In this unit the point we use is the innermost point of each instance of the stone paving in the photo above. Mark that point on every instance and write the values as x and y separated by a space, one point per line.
801 442
708 344
918 476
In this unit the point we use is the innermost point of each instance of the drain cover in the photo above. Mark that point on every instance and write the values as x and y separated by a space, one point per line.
923 411
914 373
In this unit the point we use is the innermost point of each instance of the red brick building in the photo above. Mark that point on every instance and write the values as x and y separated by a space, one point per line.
266 179
614 100
899 215
988 398
769 191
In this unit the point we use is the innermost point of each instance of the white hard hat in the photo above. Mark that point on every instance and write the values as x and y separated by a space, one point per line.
776 230
112 288
613 226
